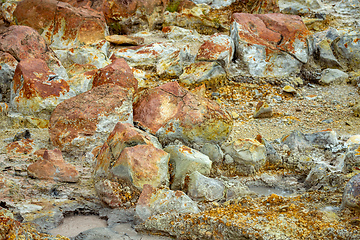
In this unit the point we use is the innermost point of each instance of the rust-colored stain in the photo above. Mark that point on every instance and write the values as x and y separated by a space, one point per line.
24 146
184 149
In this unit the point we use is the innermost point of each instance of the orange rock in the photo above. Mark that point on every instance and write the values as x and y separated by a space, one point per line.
125 40
119 73
52 166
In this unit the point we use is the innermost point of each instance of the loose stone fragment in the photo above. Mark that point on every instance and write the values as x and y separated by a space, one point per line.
263 110
125 40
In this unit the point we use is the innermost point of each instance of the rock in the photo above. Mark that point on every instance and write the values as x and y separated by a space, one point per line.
154 201
249 155
356 110
215 3
83 122
178 33
7 9
213 151
36 90
195 18
117 194
333 76
317 173
62 25
228 159
351 193
124 135
348 6
235 189
171 112
52 166
125 40
142 164
321 139
24 42
134 16
218 48
210 73
4 109
346 49
21 147
299 7
145 56
353 140
22 135
184 161
289 89
95 54
82 81
98 233
269 44
171 66
7 69
204 188
119 73
10 228
263 110
351 160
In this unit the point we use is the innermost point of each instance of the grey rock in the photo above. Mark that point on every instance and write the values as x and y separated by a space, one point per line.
228 159
351 193
317 173
184 161
7 69
347 50
235 189
333 76
204 188
249 155
116 216
213 151
100 233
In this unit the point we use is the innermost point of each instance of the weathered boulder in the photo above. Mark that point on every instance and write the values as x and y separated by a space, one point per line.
116 194
154 201
333 76
351 193
7 69
249 155
171 112
172 65
83 122
205 188
145 56
218 48
347 50
36 90
95 54
142 164
213 151
24 42
210 73
269 44
178 33
80 79
62 25
52 166
184 161
119 73
124 135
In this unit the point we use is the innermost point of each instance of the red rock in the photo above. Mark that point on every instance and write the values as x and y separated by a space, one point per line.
172 112
34 89
274 30
23 42
143 164
85 121
52 166
124 135
61 24
218 47
22 147
119 73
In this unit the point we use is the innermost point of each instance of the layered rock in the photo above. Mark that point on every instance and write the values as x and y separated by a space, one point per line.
269 44
83 122
171 112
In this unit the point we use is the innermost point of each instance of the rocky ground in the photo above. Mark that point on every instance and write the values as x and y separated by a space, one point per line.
289 174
